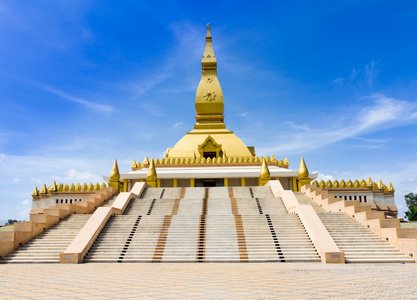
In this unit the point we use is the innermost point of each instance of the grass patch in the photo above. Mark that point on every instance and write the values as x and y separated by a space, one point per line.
409 225
7 228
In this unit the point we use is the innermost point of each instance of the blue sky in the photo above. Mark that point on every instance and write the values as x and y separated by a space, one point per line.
84 82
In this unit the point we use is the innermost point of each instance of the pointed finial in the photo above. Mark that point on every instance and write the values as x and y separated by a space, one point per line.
336 184
208 30
133 164
303 171
53 187
343 184
78 187
329 184
84 187
35 192
60 187
151 176
369 182
114 174
349 184
65 188
390 187
43 190
286 162
356 184
146 161
97 187
103 185
72 187
363 183
315 183
380 185
91 187
265 175
322 184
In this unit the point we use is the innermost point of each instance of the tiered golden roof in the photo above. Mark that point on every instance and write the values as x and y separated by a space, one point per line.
167 162
64 187
356 184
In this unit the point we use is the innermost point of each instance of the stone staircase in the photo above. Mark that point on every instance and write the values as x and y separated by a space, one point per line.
359 243
46 247
216 224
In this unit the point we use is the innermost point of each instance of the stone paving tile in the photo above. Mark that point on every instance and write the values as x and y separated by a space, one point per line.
208 281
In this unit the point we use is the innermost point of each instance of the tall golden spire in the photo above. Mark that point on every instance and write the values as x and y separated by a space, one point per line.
115 177
265 175
209 98
151 176
303 175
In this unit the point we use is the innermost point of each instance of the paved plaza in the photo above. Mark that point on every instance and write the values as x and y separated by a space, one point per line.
208 281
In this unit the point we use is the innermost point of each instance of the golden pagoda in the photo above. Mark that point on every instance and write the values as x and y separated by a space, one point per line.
210 154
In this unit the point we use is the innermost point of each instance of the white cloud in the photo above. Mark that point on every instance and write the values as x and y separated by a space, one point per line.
101 108
178 124
383 113
370 72
25 202
244 114
2 157
16 179
324 177
73 175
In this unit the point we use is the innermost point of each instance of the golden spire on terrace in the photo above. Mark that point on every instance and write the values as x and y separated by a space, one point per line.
151 176
265 175
115 175
303 171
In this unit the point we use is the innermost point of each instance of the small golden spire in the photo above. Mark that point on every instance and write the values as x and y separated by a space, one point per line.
84 187
286 162
265 176
329 184
91 187
363 183
356 184
78 187
97 187
60 187
43 190
65 188
315 183
349 184
273 159
322 184
72 187
281 163
103 185
146 161
53 187
151 177
381 185
35 192
138 165
343 184
390 187
336 184
369 182
133 164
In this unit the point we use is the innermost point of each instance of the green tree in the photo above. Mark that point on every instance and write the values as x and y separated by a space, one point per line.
10 221
411 201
